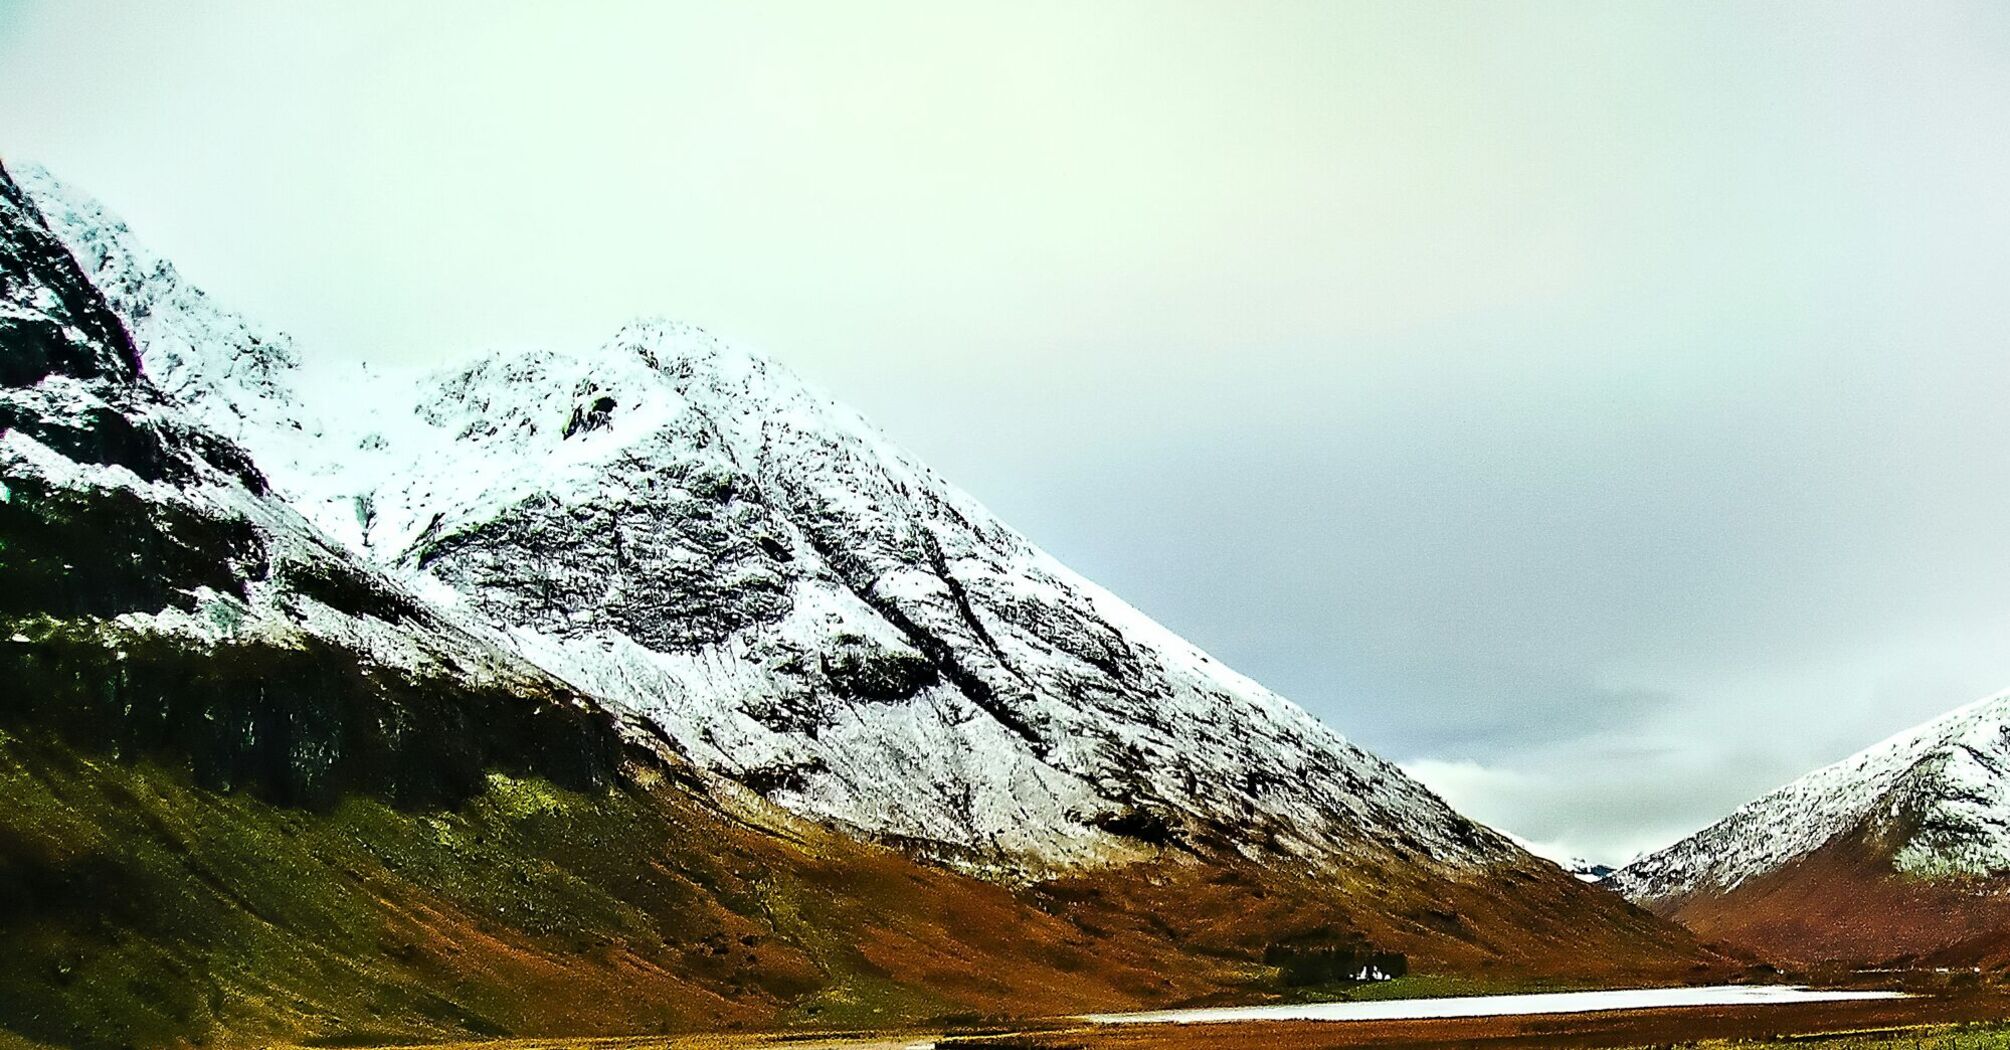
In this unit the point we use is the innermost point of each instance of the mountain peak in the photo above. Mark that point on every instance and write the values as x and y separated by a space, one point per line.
675 347
188 346
54 321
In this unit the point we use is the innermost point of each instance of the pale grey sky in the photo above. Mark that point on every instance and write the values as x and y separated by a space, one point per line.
1598 407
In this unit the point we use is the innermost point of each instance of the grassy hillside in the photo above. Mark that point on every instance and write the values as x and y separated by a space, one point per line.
1848 904
139 909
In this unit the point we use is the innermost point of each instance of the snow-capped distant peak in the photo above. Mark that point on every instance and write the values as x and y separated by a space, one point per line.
1580 868
1937 796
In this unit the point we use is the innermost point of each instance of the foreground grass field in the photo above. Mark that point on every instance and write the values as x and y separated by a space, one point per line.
1974 1020
1928 1037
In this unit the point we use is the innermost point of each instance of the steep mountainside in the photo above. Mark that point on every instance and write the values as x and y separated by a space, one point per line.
434 777
686 529
1899 851
125 521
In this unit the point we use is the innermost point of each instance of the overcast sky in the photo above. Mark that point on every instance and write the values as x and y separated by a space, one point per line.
1599 408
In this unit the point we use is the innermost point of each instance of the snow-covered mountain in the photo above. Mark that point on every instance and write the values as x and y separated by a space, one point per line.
1938 796
384 694
259 793
684 528
1588 871
1907 839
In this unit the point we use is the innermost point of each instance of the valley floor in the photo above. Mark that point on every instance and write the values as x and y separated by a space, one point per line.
1958 1021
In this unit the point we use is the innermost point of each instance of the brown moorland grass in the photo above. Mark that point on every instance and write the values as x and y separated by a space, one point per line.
1845 904
144 910
1972 1020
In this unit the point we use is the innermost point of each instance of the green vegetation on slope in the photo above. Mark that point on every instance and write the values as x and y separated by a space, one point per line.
139 909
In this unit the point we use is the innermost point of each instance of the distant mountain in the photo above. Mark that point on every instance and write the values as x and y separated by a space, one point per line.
1897 853
1578 867
354 705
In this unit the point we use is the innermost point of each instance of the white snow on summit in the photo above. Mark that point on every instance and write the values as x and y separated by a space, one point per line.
191 348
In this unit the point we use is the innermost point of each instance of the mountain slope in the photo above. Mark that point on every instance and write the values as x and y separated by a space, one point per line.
686 529
1900 851
431 779
258 791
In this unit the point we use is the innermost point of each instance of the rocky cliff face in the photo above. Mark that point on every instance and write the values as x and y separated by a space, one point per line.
804 606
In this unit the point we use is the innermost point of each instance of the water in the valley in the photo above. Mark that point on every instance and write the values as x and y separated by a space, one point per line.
1500 1005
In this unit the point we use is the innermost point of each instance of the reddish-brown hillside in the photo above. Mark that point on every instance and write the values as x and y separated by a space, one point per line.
1898 854
1847 903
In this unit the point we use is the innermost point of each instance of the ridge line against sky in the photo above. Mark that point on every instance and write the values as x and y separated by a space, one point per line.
1595 408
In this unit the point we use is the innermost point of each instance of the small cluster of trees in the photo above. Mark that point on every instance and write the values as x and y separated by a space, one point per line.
1304 965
